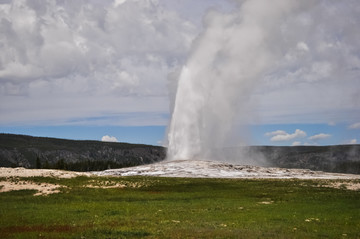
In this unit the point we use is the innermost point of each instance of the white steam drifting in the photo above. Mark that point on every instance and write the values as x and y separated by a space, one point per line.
259 48
228 59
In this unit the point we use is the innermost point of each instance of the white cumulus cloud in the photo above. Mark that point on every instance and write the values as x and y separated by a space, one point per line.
351 141
88 53
296 143
332 123
315 80
281 135
107 138
320 136
277 132
310 144
354 126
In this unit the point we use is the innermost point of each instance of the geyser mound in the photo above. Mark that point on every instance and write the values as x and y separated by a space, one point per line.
212 169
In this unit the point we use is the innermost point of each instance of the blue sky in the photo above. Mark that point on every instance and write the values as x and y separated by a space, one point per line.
152 135
155 135
89 69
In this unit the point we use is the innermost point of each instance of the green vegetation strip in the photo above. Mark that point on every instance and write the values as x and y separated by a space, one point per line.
149 207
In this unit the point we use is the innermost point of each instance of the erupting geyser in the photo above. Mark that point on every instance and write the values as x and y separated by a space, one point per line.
228 58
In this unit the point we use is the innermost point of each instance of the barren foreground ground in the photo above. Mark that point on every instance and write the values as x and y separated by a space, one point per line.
12 179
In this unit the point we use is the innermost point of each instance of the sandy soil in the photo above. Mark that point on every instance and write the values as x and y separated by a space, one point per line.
41 188
23 172
12 181
355 186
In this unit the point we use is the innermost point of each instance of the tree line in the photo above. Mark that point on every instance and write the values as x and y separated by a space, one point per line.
85 165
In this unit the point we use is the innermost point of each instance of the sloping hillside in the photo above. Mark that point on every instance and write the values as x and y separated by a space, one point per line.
38 152
335 158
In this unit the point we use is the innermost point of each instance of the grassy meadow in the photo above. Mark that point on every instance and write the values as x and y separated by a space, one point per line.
150 207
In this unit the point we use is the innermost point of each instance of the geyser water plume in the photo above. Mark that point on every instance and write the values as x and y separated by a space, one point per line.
228 58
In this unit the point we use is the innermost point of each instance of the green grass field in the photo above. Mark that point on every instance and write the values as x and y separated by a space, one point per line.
151 207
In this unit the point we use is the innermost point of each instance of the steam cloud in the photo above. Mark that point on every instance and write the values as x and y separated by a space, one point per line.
260 42
234 51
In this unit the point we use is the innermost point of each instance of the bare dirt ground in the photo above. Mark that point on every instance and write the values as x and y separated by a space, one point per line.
11 177
23 172
41 188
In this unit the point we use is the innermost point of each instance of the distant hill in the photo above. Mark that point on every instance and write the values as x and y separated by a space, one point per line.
83 155
78 155
335 158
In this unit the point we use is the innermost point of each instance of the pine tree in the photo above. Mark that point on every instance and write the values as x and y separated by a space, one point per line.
38 162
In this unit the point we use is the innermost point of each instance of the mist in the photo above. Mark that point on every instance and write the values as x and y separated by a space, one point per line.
236 55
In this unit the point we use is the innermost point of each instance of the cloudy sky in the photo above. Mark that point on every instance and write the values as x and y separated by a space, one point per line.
99 69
